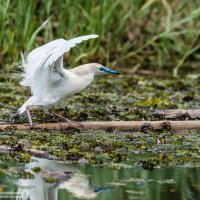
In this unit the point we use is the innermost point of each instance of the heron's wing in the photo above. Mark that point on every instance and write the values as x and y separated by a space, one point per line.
35 59
40 54
54 49
64 47
46 78
50 70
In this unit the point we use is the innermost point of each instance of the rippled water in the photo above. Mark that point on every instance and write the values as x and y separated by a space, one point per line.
91 182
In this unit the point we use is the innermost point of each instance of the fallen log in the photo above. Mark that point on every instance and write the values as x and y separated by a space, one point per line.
33 152
109 125
177 114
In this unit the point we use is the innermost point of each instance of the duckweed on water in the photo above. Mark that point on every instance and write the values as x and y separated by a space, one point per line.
124 98
50 180
25 175
95 146
23 157
36 169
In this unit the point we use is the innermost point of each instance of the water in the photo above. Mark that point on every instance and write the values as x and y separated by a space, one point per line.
102 183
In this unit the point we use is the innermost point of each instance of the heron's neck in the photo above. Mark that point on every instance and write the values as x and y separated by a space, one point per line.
87 76
84 74
79 81
84 70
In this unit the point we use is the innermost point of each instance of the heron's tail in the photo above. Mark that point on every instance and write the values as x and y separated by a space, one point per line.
25 68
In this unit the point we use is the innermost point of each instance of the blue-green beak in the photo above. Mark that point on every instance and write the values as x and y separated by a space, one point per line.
108 71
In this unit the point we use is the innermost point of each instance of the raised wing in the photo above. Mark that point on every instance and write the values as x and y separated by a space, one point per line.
50 68
65 47
38 55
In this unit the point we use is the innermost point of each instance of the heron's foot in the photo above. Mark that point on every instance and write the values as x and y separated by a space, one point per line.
67 120
61 117
78 123
33 124
28 124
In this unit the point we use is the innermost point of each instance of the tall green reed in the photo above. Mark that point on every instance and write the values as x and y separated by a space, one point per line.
132 33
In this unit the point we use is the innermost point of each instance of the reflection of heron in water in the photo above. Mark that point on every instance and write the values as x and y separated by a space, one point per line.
66 177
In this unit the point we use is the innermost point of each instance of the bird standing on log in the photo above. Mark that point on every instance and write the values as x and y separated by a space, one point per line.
49 82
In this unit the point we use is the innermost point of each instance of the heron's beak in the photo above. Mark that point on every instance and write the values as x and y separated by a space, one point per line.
108 71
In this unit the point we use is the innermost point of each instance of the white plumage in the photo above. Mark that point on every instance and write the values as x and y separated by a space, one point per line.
49 82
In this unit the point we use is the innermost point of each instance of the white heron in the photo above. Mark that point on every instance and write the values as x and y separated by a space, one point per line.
49 82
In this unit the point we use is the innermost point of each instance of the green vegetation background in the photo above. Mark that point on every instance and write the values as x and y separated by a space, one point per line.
133 33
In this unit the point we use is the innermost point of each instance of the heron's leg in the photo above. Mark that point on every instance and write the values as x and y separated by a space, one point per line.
29 117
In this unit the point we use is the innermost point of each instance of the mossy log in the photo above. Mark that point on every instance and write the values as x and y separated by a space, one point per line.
177 114
109 125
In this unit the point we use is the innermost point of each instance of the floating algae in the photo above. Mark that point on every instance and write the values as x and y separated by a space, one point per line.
144 153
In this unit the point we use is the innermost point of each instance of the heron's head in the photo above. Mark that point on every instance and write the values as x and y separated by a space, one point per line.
93 68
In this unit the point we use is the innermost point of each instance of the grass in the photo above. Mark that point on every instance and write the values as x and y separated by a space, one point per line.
132 33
